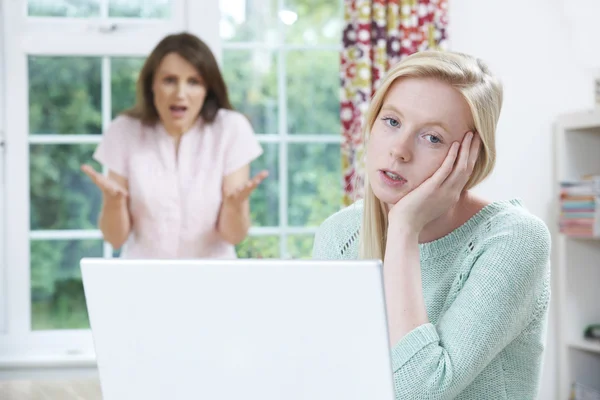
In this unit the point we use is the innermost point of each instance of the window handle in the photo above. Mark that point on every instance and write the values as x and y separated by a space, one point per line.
108 28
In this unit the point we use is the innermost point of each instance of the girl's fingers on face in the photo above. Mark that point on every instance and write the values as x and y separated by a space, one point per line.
465 147
460 170
447 166
463 157
473 156
474 152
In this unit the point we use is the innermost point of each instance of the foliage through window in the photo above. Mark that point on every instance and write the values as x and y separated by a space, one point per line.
281 63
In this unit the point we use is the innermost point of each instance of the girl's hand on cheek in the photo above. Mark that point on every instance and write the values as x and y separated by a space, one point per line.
441 191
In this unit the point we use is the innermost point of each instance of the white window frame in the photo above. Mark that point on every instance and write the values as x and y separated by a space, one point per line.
23 36
19 346
283 138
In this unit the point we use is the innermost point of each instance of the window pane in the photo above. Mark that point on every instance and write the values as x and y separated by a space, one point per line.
300 246
313 21
252 83
264 201
248 20
313 86
123 75
62 197
139 8
57 298
64 8
65 95
259 247
314 183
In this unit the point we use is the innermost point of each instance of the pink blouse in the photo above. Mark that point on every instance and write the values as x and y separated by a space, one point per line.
175 198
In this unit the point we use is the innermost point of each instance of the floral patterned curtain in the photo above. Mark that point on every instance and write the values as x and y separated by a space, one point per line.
377 34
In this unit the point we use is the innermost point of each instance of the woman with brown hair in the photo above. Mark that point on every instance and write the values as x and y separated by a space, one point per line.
178 162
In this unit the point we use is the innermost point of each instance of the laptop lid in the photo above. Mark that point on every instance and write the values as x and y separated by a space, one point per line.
239 329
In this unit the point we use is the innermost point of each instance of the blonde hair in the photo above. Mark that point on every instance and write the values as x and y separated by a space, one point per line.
482 92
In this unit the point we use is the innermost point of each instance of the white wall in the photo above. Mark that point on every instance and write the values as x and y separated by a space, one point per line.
544 52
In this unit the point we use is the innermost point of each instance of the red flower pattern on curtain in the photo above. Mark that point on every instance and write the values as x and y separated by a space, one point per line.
377 34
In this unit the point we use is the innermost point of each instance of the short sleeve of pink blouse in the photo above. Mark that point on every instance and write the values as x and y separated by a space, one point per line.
240 144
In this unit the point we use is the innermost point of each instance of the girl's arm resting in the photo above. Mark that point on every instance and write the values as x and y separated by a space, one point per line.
506 290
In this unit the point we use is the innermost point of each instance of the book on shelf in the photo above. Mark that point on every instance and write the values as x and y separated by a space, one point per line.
580 207
583 392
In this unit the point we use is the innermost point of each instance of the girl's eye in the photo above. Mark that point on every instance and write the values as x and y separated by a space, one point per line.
433 139
392 122
169 79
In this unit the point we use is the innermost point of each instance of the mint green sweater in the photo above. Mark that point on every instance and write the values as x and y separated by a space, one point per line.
487 290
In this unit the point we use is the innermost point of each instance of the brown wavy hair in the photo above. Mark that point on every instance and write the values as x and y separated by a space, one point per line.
197 53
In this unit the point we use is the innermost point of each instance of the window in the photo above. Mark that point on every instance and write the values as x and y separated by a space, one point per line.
71 100
79 62
281 62
72 68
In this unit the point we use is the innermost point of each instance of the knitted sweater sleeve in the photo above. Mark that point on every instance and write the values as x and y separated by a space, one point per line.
506 287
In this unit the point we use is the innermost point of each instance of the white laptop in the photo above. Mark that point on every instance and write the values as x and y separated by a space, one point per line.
239 329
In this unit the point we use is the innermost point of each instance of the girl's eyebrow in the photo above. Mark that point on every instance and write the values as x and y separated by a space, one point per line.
392 108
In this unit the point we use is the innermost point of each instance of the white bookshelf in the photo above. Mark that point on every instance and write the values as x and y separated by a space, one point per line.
576 261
